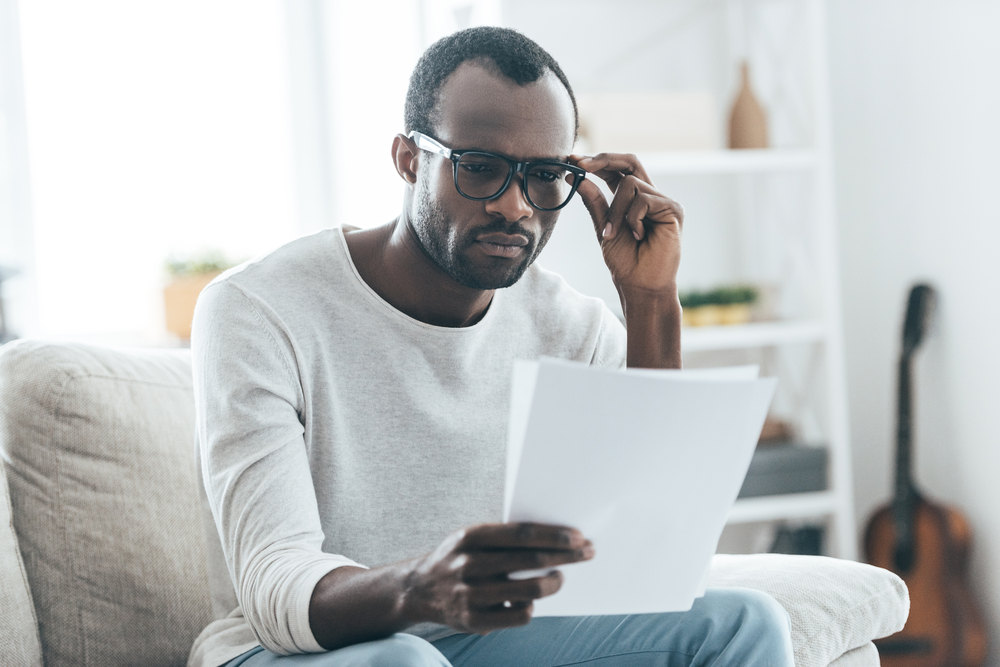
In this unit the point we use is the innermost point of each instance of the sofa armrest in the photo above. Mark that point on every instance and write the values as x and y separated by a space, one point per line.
835 605
19 642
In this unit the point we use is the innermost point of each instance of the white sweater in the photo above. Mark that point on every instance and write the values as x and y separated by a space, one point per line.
333 429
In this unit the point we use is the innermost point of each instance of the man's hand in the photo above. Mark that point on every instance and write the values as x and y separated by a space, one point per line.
464 583
640 236
640 230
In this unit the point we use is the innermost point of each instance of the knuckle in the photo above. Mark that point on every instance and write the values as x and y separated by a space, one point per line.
460 537
536 559
461 597
524 532
535 588
523 615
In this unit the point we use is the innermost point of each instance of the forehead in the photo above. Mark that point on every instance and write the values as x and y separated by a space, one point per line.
479 108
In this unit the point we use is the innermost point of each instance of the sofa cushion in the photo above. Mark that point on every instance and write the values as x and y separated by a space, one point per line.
18 626
835 606
98 449
862 656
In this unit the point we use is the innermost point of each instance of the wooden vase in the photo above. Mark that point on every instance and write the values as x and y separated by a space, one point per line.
747 121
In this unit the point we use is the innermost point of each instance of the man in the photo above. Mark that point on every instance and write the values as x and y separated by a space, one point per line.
352 397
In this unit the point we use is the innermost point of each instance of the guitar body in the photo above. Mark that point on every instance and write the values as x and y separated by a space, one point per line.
926 544
943 628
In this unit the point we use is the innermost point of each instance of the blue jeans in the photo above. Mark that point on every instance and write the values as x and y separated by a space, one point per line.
726 627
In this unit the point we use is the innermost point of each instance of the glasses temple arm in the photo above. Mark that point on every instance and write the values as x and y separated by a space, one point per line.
429 144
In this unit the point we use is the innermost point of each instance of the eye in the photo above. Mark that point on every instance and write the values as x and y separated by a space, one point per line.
476 167
547 174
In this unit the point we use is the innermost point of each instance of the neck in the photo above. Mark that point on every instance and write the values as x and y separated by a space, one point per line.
392 262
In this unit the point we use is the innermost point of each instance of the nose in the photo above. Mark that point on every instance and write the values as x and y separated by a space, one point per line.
511 204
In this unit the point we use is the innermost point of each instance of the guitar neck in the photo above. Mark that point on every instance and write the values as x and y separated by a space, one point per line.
904 427
906 497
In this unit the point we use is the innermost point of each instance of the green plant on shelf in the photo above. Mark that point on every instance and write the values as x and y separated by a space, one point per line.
721 305
201 264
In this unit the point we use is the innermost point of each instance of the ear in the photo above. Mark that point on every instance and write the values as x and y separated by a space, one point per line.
404 155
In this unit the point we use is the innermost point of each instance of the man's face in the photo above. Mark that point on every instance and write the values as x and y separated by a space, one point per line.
489 244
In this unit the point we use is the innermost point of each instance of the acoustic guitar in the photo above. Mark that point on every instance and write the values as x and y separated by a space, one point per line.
925 543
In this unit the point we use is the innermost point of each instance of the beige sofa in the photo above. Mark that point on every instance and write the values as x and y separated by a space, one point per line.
103 555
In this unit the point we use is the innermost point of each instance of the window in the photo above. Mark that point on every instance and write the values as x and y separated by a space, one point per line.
153 129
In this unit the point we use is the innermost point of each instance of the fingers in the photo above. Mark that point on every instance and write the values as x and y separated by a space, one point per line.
466 583
505 603
507 614
636 201
628 199
635 205
650 209
491 594
597 206
492 564
522 535
613 167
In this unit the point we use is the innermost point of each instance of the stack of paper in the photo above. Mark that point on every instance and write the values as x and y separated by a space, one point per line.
646 463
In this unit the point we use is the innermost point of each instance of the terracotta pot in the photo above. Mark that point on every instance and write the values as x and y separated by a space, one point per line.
179 298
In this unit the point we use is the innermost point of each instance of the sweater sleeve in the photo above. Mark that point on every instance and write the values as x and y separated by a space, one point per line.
611 346
255 465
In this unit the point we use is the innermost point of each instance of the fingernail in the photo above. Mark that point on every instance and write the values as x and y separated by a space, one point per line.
607 231
636 235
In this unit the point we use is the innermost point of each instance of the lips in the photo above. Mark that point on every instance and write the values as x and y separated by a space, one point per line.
498 244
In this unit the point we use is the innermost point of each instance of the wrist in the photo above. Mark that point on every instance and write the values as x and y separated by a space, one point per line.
413 605
653 326
646 302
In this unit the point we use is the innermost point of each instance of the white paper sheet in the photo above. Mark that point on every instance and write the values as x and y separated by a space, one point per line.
647 464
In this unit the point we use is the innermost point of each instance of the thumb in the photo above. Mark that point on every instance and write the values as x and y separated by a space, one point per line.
596 205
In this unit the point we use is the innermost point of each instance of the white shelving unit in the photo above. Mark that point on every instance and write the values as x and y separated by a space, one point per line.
756 216
763 216
752 335
784 212
749 161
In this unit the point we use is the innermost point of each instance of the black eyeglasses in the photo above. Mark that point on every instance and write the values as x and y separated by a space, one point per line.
482 176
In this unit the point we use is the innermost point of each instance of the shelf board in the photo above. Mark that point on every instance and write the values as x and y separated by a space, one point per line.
729 161
752 335
784 506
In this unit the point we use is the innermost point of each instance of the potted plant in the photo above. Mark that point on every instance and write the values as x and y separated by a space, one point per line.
722 305
187 277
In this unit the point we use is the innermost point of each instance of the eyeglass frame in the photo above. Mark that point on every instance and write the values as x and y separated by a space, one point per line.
432 145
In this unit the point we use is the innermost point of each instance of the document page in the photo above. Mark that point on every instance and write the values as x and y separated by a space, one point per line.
646 463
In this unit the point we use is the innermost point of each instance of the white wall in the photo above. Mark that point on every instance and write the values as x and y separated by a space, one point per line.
916 111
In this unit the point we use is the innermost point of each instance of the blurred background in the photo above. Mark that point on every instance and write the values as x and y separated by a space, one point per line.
142 143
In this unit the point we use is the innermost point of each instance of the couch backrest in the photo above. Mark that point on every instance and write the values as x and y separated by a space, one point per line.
98 450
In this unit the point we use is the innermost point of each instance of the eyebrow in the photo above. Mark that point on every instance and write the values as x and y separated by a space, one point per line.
564 159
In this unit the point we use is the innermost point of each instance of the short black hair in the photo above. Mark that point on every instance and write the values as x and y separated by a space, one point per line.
505 50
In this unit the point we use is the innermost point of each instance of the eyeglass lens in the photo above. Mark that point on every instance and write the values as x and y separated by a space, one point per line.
482 175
